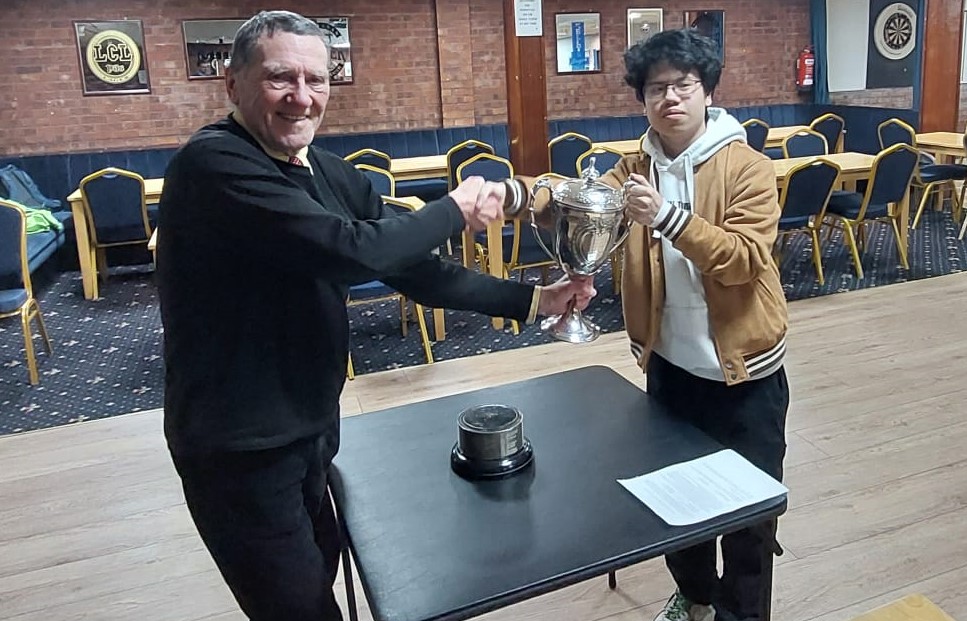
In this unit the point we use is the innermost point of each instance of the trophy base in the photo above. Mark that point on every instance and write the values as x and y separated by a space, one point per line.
571 327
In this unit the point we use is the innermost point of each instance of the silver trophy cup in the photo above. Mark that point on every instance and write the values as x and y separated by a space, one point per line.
588 224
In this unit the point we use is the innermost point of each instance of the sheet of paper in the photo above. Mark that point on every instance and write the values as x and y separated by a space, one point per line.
703 488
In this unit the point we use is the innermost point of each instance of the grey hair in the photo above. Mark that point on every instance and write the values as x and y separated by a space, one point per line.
267 23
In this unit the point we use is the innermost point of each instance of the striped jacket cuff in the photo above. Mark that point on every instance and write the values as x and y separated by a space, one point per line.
767 362
671 221
515 197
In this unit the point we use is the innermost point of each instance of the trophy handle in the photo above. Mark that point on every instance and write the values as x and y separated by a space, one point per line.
542 184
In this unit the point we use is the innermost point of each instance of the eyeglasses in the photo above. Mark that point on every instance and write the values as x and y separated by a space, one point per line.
682 88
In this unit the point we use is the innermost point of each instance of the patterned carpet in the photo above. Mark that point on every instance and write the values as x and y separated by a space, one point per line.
107 354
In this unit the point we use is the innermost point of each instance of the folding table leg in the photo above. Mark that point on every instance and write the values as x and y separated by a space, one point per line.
769 550
347 572
612 580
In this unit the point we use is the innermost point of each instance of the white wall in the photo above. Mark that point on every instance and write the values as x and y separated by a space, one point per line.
847 34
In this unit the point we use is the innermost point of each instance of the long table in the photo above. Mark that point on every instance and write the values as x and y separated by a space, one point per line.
944 144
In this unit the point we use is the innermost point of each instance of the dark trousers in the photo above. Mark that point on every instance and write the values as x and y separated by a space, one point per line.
749 418
267 520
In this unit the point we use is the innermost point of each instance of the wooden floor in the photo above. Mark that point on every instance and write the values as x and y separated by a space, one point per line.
93 526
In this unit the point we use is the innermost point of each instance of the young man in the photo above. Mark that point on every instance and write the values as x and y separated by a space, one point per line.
703 304
263 235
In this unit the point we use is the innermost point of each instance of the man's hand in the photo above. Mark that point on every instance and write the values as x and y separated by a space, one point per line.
557 299
642 200
481 202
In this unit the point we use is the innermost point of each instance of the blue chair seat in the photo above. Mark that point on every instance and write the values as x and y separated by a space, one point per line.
942 172
791 224
774 153
12 299
425 189
847 205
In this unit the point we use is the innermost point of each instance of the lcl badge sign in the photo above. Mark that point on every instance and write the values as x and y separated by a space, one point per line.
112 57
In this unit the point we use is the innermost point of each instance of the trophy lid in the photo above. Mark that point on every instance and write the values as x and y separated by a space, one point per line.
588 194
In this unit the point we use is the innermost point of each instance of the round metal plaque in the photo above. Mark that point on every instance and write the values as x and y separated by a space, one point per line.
490 442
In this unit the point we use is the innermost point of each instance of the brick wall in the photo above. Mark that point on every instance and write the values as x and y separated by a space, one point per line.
877 97
394 55
762 40
416 63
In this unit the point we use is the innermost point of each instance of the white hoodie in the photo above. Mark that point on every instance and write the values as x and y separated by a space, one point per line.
685 336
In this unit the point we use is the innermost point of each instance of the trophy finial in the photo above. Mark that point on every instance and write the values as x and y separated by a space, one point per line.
590 173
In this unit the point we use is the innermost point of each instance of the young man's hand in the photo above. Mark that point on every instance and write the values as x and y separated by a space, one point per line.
557 299
642 200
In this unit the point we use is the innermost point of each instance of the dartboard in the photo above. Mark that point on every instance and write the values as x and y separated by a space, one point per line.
895 31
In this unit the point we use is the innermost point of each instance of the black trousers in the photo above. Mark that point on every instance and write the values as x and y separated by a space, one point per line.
749 418
267 520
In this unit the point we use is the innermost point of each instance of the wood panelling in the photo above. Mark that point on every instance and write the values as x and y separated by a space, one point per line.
526 98
940 94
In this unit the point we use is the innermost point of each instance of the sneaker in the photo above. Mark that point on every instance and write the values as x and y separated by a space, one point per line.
677 608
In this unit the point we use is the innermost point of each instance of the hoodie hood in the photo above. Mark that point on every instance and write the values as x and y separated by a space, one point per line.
720 129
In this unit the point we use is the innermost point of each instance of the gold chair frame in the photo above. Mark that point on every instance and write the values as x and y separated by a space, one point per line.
893 216
357 154
99 256
813 226
594 151
451 173
957 201
383 172
832 148
30 309
561 138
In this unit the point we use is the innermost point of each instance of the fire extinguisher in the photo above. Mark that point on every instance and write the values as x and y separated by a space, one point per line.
805 68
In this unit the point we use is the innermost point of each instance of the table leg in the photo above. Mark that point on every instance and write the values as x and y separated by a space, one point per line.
347 574
769 549
439 325
612 580
495 250
85 258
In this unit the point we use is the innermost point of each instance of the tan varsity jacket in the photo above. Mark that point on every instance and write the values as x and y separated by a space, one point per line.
729 238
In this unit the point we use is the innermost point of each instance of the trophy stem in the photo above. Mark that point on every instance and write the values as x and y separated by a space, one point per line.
571 327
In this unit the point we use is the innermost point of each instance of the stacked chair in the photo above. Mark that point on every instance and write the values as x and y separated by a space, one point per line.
928 175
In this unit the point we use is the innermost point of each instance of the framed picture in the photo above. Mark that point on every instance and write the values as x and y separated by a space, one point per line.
111 56
336 30
578 39
642 24
711 24
208 46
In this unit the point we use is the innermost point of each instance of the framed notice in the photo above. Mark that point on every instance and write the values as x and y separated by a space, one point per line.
336 30
112 57
578 42
643 24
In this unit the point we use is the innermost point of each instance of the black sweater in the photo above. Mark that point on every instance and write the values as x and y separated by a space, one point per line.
254 264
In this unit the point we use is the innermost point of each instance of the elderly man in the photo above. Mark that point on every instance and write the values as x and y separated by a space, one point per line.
263 236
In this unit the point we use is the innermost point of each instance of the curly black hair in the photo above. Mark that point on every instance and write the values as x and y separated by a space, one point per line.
683 49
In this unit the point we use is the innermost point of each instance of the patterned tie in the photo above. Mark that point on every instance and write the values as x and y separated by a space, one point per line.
295 160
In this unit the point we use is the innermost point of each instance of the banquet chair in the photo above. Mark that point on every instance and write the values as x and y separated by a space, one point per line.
116 214
890 178
832 127
804 143
370 157
564 150
16 291
605 158
802 208
756 133
928 176
382 180
460 153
